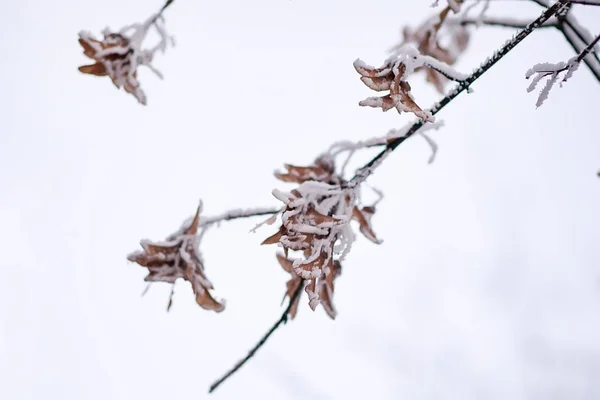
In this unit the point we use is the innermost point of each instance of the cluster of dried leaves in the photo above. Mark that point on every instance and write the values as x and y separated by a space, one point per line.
179 257
119 54
316 222
420 50
316 215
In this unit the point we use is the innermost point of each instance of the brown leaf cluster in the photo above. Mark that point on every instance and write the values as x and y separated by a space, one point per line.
390 77
323 170
178 257
316 234
114 57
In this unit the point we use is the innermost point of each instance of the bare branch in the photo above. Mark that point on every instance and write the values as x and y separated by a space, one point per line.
282 320
160 12
363 173
588 49
587 2
236 214
506 22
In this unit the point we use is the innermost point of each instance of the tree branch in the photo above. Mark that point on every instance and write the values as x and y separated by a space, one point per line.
363 173
570 29
571 36
160 12
588 49
502 22
236 214
282 320
587 2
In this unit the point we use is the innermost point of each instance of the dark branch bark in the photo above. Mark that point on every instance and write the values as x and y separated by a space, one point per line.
587 2
167 4
282 320
368 168
160 12
588 49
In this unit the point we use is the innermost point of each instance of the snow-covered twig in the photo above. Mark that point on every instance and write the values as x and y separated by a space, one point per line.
363 173
238 213
552 71
577 36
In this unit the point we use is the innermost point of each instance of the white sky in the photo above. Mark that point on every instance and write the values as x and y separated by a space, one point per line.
487 285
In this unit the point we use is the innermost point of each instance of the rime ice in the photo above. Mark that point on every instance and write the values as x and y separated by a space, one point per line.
119 54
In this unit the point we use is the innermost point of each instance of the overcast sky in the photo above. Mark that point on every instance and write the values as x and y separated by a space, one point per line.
487 285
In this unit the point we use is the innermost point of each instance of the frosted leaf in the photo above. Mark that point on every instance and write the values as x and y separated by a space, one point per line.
179 257
316 222
425 39
391 76
119 54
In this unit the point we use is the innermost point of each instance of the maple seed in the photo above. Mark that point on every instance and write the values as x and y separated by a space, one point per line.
389 77
119 54
315 221
178 257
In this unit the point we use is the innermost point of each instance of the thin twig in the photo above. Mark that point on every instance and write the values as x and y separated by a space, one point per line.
238 213
363 173
171 297
160 12
167 4
587 2
588 49
282 320
565 24
502 22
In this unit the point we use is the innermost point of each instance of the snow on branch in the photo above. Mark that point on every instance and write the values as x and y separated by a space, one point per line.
363 173
350 147
119 54
426 39
552 72
393 76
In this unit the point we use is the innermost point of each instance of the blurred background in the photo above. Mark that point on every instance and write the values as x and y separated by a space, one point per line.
487 285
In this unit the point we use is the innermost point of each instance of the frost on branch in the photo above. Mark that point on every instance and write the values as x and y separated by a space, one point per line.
550 71
316 222
119 54
427 40
393 76
179 257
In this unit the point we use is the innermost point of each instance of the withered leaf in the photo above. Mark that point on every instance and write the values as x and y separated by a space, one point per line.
178 257
389 77
363 217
